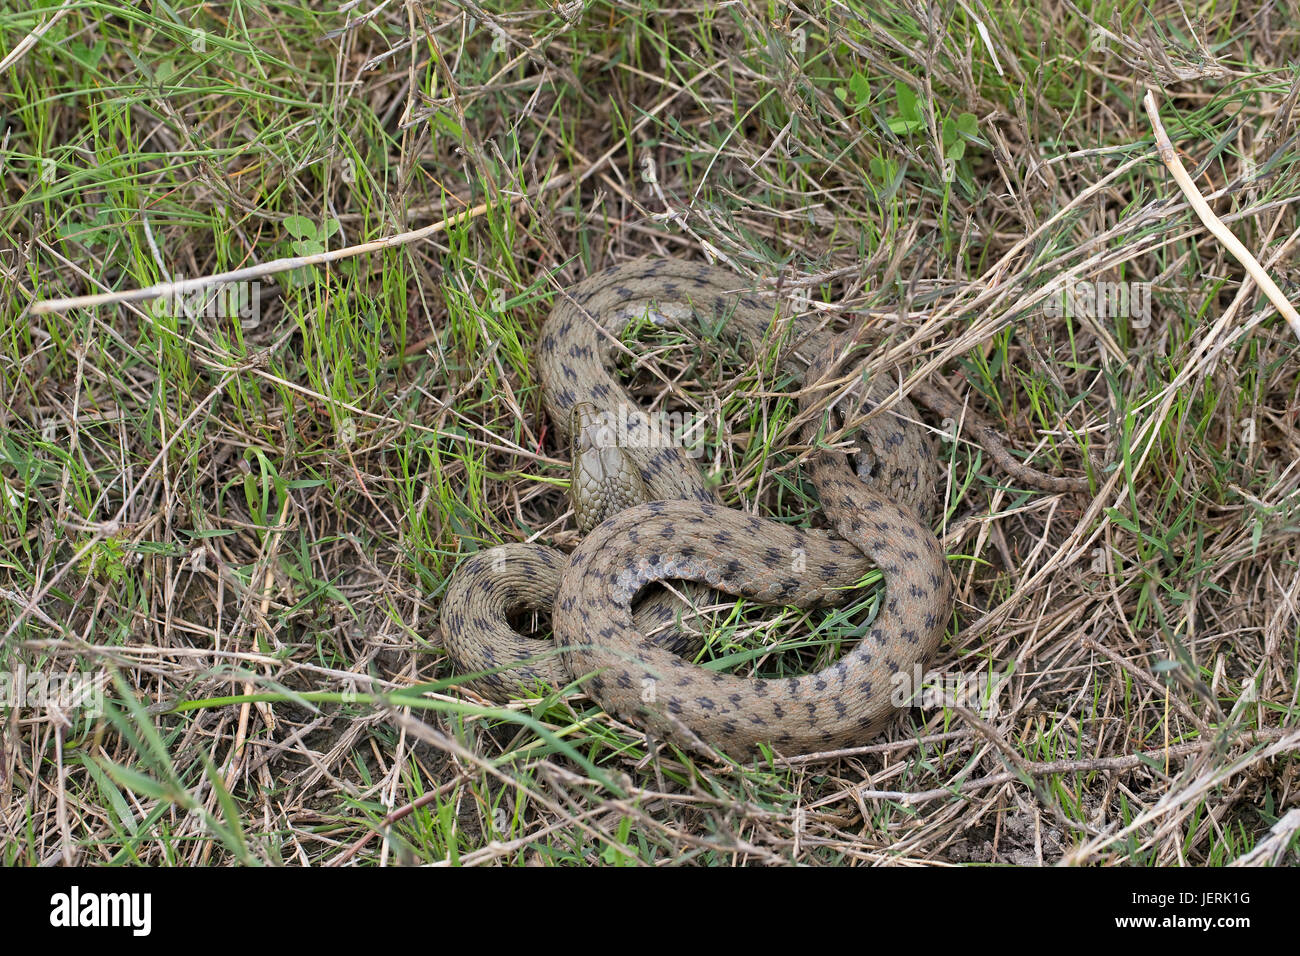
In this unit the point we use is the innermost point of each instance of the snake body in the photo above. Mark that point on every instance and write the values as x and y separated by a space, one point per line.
681 532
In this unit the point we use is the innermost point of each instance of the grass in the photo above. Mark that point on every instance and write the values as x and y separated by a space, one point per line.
242 527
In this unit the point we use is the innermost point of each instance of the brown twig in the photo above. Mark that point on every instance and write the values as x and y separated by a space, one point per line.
1212 222
184 286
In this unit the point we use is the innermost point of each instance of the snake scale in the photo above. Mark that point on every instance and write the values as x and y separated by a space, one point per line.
878 515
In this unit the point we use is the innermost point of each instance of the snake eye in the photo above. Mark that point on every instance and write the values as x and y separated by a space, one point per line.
580 416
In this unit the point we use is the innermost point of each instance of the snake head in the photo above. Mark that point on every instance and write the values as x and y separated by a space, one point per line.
603 478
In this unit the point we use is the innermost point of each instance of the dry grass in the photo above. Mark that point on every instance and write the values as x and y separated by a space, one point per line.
243 529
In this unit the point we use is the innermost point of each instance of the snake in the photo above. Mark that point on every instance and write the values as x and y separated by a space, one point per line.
650 517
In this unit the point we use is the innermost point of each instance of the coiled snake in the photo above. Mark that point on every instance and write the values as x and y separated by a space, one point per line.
681 532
